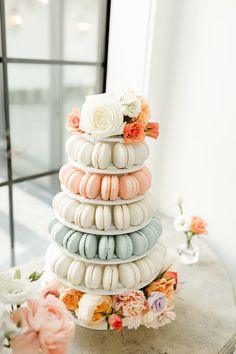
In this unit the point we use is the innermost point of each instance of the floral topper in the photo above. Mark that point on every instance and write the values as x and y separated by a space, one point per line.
104 116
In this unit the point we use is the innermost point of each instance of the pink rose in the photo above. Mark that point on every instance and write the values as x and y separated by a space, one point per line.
115 322
152 130
48 291
48 325
198 226
73 120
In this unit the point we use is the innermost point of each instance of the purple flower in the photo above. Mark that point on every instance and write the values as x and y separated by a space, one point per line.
157 301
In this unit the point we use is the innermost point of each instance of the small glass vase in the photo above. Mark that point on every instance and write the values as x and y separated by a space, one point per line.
189 252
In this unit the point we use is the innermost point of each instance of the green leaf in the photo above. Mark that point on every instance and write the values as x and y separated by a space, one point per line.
17 274
35 276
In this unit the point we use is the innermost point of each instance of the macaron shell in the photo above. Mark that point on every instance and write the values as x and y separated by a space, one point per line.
73 242
87 215
71 144
66 237
141 152
104 156
144 180
52 221
151 235
107 217
146 268
121 216
130 155
88 246
61 265
156 225
114 189
136 214
67 209
129 275
63 171
74 180
157 259
93 276
140 243
77 214
106 247
119 155
123 246
129 187
93 186
110 278
76 272
105 187
84 153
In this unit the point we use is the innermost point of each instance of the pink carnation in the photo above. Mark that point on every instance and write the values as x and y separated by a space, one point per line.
47 325
131 303
73 120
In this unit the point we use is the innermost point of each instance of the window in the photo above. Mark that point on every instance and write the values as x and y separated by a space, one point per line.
52 54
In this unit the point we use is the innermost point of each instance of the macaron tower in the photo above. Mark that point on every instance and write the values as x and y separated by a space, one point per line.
105 228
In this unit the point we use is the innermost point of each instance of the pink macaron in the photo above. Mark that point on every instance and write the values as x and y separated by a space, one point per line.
110 188
73 180
63 171
129 187
144 178
90 185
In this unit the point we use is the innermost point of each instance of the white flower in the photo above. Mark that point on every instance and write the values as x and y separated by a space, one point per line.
178 199
101 116
4 279
131 105
132 322
15 292
7 327
182 223
152 320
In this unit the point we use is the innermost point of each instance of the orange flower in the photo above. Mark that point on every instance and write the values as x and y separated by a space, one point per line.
198 226
71 298
73 120
103 308
163 285
145 113
152 130
133 132
172 275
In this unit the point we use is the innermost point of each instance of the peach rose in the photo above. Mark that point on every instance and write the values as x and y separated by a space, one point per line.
71 298
198 226
163 285
48 291
133 132
152 130
145 113
48 325
73 120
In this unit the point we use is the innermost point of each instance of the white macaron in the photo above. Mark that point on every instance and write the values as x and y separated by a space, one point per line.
129 275
123 155
157 260
138 213
121 216
61 265
141 152
84 215
67 209
146 268
93 276
110 277
57 200
71 145
76 272
103 217
101 156
84 152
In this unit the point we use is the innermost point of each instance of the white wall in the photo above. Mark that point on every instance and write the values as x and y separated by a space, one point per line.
191 86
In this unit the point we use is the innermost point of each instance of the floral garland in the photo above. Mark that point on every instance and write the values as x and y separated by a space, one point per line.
104 116
151 306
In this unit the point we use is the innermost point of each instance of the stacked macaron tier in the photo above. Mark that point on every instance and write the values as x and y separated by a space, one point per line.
105 187
106 248
96 218
110 278
104 155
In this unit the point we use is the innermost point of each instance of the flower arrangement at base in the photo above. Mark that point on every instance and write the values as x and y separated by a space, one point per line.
104 116
151 306
32 322
191 226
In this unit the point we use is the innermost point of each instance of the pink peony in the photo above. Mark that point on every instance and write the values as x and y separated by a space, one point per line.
115 322
48 325
73 120
198 226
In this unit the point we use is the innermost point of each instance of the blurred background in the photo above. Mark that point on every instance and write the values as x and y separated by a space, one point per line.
179 54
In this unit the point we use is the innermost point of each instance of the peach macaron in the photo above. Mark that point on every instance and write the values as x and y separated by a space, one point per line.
109 187
129 187
144 178
90 185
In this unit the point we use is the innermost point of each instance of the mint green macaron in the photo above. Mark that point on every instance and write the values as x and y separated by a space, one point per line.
140 242
88 246
123 246
106 247
58 232
157 225
73 242
150 233
53 221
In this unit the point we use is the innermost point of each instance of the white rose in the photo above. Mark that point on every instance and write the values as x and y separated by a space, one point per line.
101 116
178 199
182 223
131 105
15 292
